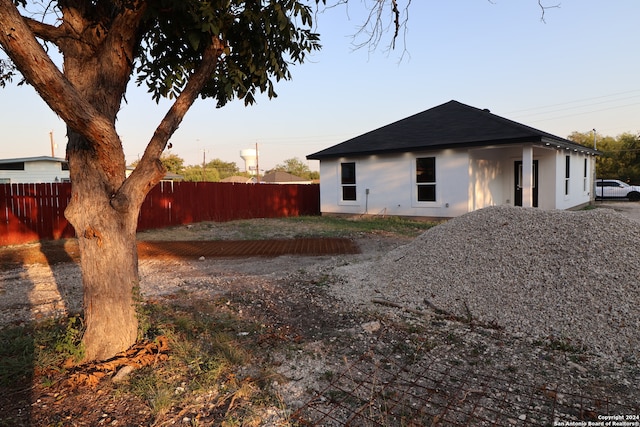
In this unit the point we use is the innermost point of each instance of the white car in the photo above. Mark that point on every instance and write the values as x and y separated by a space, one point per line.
616 189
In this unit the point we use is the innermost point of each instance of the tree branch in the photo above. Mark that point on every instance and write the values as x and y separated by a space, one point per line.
44 31
32 61
377 24
544 8
118 49
149 170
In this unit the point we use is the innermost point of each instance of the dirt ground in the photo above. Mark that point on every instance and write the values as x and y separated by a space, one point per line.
337 364
281 288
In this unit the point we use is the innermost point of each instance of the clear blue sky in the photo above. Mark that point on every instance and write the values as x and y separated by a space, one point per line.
578 71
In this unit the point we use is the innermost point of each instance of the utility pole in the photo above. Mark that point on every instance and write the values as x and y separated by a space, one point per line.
53 145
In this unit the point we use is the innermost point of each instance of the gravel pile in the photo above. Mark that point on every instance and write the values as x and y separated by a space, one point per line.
567 276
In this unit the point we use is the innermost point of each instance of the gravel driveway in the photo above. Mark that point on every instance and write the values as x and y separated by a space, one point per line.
629 209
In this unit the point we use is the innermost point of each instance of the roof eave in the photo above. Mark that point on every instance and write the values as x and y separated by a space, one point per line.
34 159
473 144
569 145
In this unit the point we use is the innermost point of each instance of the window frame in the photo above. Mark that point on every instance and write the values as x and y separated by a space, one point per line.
567 174
348 183
585 186
426 179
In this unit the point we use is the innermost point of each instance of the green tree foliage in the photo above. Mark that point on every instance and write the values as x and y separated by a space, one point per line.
297 167
620 158
225 169
628 157
195 173
272 32
172 163
213 171
7 72
583 138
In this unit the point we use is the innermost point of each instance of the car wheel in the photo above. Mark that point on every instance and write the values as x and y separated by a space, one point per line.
634 196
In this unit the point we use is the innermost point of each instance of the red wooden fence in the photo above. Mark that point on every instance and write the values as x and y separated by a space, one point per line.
32 212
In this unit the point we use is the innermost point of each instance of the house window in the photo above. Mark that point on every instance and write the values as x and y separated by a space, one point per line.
426 179
567 168
14 166
348 180
584 176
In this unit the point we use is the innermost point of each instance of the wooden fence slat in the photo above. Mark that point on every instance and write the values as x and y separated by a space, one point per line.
62 227
5 214
46 209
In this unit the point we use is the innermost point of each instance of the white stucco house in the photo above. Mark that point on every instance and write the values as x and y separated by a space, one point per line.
33 170
450 160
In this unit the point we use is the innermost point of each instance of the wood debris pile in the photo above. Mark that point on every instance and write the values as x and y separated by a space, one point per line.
140 355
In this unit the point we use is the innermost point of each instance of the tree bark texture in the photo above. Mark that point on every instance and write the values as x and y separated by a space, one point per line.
108 260
108 255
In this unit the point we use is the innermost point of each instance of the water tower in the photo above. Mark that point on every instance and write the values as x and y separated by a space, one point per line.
250 157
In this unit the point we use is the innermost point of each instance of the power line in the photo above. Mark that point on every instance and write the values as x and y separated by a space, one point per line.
585 112
575 101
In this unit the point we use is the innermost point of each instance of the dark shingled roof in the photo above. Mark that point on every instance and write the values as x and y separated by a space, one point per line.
450 125
281 176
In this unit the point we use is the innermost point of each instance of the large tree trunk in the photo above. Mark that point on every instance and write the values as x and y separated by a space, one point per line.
106 237
98 65
108 257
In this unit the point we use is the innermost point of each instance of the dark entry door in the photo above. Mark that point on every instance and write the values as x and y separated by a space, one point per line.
518 183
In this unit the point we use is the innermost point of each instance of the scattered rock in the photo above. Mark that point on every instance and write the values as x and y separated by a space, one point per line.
122 374
371 327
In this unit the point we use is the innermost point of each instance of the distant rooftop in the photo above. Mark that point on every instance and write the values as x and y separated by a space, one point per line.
34 159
